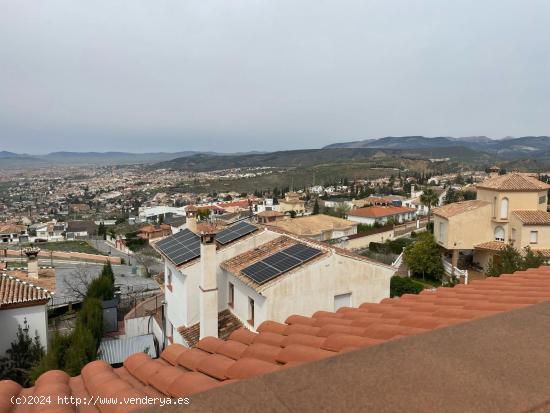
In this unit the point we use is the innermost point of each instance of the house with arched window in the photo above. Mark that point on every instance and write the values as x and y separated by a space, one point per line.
509 209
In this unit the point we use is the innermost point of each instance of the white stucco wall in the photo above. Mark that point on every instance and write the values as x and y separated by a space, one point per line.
312 288
10 319
183 300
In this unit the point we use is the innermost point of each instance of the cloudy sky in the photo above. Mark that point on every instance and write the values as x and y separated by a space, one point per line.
238 75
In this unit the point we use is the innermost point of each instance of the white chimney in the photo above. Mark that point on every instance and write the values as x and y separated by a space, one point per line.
208 286
32 261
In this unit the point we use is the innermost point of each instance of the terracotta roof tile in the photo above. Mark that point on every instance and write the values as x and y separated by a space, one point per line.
191 358
456 208
250 367
491 245
533 217
217 362
190 383
272 327
15 292
262 351
514 182
215 365
242 335
171 353
273 339
232 349
299 353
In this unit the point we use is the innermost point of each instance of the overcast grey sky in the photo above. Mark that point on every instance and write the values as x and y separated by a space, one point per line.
234 75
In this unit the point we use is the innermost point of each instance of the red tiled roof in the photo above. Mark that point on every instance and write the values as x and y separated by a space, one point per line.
14 292
182 372
379 211
514 182
490 245
533 217
456 208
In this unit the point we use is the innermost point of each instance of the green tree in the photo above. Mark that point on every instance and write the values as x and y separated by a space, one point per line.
102 230
451 196
403 285
341 210
22 356
430 199
424 257
512 260
316 207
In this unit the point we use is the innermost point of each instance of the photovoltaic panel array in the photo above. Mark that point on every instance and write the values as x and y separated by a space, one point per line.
181 247
280 262
234 232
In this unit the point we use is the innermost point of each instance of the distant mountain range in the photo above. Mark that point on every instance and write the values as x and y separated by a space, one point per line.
508 148
480 149
88 158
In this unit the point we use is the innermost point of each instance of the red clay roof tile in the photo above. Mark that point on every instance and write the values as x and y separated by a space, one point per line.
171 353
215 365
271 327
232 349
250 367
242 335
191 383
191 358
292 343
299 353
209 344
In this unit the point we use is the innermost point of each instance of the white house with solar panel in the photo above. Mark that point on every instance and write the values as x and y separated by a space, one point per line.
245 274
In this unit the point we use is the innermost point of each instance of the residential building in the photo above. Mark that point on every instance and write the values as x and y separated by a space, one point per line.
381 214
269 216
292 202
22 301
12 233
329 278
510 209
80 229
150 232
318 227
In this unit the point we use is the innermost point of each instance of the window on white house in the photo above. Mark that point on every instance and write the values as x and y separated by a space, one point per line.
342 300
504 208
231 295
513 234
542 199
169 278
250 311
499 234
534 237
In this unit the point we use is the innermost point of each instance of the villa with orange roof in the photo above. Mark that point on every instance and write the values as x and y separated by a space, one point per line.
509 209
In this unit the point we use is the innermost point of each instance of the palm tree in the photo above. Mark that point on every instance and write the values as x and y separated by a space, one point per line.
430 199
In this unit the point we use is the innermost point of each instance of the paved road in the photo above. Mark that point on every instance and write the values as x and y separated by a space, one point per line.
67 274
105 248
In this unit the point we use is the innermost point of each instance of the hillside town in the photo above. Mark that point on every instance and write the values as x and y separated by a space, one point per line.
220 283
274 206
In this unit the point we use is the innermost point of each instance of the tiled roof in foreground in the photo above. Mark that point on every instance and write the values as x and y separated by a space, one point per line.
214 362
15 292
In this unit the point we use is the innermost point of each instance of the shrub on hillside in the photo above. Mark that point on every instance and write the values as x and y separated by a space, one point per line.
401 285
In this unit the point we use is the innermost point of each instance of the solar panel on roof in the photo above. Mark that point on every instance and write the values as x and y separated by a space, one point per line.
261 272
280 262
234 232
181 247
